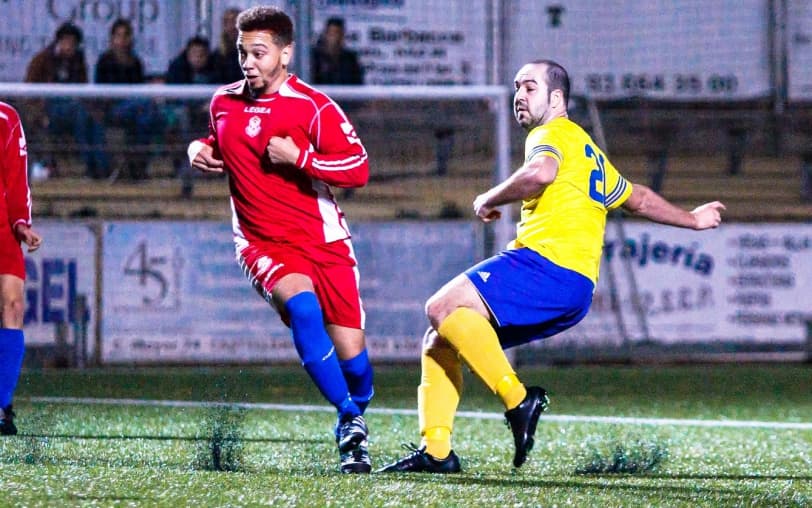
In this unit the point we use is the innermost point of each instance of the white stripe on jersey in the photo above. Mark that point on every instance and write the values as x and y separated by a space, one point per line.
334 226
346 165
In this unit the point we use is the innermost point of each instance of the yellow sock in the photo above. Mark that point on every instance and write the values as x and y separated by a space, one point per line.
438 397
437 441
511 391
477 343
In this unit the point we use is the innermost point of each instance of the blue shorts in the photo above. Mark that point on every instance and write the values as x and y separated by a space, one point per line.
529 296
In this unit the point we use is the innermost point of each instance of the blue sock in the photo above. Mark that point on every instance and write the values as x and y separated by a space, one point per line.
318 353
358 373
12 348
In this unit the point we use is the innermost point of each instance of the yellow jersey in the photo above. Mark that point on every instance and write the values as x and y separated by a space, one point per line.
565 223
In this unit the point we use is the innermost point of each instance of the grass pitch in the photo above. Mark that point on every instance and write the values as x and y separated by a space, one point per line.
707 435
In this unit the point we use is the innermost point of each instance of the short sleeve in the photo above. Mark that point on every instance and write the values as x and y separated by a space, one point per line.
541 141
620 191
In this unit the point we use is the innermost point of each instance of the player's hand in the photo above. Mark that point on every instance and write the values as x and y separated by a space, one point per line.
708 216
283 150
28 236
204 158
485 212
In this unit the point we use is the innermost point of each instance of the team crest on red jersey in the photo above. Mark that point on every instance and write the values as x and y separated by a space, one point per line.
253 127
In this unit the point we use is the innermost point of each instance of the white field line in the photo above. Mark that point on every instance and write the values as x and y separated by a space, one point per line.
614 420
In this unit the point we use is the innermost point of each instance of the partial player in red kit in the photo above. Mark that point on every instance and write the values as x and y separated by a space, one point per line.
283 144
15 227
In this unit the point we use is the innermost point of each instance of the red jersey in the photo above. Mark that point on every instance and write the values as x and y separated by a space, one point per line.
284 203
15 205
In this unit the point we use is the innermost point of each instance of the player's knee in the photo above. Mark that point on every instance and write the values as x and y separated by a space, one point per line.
428 338
436 310
303 308
13 310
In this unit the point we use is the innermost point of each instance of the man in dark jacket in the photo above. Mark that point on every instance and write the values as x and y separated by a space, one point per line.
194 65
63 61
331 62
139 116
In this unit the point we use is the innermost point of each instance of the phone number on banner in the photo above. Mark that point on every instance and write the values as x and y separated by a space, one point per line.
609 83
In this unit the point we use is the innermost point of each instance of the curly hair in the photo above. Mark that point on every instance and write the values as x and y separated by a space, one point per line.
263 17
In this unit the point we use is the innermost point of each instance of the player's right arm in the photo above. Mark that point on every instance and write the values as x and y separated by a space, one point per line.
201 152
201 156
644 202
529 180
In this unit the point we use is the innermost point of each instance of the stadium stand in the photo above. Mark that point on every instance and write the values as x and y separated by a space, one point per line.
409 179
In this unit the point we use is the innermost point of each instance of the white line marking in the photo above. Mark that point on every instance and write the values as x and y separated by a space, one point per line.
613 420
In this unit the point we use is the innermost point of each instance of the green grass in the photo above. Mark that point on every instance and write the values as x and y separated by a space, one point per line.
127 455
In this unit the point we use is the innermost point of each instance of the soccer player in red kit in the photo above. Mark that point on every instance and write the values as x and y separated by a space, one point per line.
283 144
15 227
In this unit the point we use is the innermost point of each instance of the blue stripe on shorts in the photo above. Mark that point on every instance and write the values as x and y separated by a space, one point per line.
530 297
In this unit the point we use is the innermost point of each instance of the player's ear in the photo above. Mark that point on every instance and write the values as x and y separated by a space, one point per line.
287 55
557 98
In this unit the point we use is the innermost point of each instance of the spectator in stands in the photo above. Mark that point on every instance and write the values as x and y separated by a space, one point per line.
63 61
225 56
119 64
193 66
542 283
139 117
331 63
15 227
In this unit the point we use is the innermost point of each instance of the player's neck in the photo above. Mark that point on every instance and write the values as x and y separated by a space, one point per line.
555 116
271 89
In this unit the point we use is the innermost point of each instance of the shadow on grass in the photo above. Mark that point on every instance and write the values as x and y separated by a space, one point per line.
730 477
75 497
103 437
596 482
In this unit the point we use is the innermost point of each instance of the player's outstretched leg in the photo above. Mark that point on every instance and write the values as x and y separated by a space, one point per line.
523 419
418 461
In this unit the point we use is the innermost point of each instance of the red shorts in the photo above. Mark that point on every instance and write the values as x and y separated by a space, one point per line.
332 268
11 255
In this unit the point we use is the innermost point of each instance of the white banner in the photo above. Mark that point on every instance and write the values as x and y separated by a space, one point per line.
413 42
742 283
690 50
173 292
27 26
687 50
799 49
62 269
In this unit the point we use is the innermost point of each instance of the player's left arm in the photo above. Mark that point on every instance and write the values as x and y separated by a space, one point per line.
335 156
28 236
18 193
526 182
644 202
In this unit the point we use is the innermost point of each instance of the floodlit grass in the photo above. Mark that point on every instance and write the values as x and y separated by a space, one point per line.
71 454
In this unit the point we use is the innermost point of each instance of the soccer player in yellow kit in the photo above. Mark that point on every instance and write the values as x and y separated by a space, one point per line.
542 283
